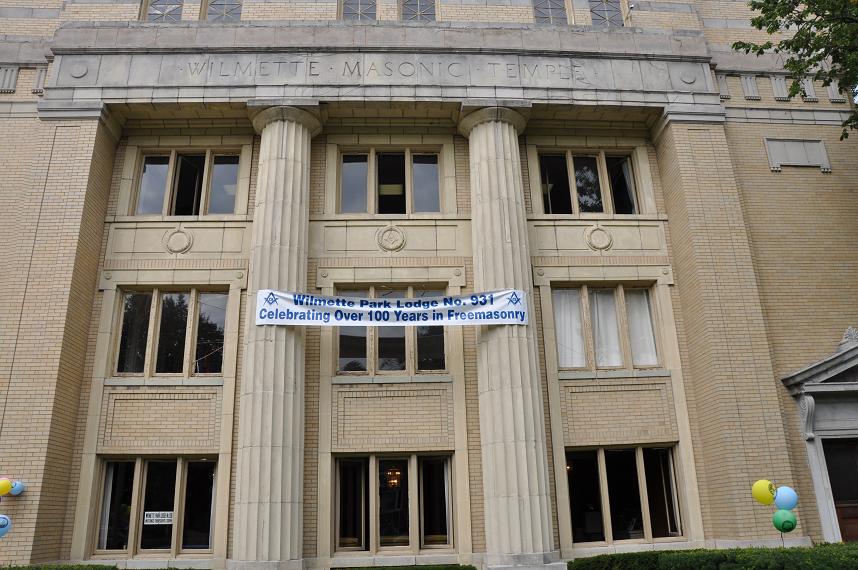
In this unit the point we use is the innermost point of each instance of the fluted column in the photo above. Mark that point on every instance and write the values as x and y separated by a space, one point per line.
512 421
268 529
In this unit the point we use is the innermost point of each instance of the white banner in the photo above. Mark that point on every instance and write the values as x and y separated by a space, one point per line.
507 307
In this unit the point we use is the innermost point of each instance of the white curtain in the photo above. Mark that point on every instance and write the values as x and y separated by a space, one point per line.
640 327
606 334
567 324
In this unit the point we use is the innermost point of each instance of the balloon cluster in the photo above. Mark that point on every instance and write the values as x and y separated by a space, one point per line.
785 499
8 487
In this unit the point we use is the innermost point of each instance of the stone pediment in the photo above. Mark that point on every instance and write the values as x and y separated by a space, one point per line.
835 373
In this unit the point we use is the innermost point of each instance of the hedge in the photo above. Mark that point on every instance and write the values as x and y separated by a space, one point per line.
820 557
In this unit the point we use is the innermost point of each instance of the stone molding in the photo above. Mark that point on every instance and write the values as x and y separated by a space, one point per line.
487 114
284 113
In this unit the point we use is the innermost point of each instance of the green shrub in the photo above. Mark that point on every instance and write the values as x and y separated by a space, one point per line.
824 556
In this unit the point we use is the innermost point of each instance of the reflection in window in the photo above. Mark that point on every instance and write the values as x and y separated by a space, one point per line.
587 184
224 183
135 332
391 182
549 11
661 492
352 343
153 184
556 197
622 184
199 495
158 503
585 499
606 13
425 183
430 341
624 494
116 505
189 184
171 333
164 11
393 502
224 11
391 340
434 501
418 10
353 173
359 9
210 333
353 512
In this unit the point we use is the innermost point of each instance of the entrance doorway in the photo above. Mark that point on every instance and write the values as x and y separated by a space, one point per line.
841 458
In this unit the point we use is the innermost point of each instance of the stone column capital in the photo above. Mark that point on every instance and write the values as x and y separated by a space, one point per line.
285 113
487 114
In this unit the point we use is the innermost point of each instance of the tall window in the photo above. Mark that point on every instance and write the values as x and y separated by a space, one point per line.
390 182
604 328
391 350
188 183
549 12
359 9
418 10
599 183
407 485
147 524
223 11
633 488
607 13
164 11
187 329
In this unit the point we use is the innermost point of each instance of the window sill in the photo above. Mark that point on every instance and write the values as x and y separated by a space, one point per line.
362 559
596 217
363 216
150 218
606 374
171 381
391 379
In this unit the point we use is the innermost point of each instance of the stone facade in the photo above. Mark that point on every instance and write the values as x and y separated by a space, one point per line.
739 239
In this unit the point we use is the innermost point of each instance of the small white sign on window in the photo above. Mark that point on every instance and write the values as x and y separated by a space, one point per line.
158 517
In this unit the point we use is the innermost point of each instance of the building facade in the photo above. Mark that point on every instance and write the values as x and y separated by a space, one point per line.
685 233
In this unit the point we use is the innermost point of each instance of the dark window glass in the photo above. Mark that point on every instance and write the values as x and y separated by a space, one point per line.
391 340
430 341
587 182
585 499
224 184
393 502
210 331
391 183
158 499
622 184
624 494
224 11
352 343
164 11
427 197
660 492
353 504
556 197
116 505
199 489
171 333
153 184
841 459
359 9
549 11
353 183
189 184
418 10
606 13
434 501
135 332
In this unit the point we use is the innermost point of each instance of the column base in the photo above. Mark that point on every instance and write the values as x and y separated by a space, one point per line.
522 561
265 564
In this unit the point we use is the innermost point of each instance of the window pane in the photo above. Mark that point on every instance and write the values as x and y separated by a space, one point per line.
606 336
661 492
391 183
353 175
224 11
418 10
189 184
153 184
353 504
549 11
224 184
158 499
116 505
171 333
210 331
568 328
199 489
393 502
430 341
434 501
606 13
623 494
641 335
352 343
622 184
359 9
587 182
135 332
555 184
391 340
164 11
427 197
585 499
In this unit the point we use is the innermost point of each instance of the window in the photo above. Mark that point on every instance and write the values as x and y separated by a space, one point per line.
177 320
401 181
600 183
172 491
418 10
403 350
359 9
604 328
188 183
163 11
406 486
607 13
549 12
609 484
224 11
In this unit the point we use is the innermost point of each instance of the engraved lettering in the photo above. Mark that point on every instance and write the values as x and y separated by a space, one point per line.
352 70
197 68
263 70
511 70
246 70
314 72
453 73
410 71
429 70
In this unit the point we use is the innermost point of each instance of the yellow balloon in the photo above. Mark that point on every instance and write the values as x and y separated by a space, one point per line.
764 491
5 486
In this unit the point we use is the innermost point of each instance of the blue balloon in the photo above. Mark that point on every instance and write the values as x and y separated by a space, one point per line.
5 525
17 488
786 498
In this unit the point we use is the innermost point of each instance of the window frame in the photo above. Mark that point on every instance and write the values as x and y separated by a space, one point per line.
204 13
568 13
402 3
624 14
341 9
144 13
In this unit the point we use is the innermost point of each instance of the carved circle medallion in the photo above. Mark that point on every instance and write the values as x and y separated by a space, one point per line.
178 241
598 238
390 238
687 78
78 70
